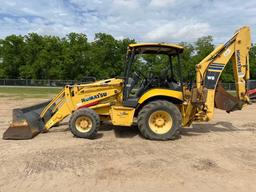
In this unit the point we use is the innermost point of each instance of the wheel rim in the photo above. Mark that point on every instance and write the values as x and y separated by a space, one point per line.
83 124
160 122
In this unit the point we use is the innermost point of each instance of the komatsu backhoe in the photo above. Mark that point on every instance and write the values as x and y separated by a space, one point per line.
157 100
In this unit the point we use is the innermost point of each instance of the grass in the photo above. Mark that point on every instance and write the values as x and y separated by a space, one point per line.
37 92
28 92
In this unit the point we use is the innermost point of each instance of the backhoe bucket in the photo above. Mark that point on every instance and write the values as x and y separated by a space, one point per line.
225 101
26 123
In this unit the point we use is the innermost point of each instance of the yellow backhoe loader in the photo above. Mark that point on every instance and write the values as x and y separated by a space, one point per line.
157 100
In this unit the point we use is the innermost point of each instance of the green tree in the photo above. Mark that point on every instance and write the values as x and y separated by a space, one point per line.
73 57
253 62
193 54
43 56
188 64
33 67
12 56
108 55
203 46
76 56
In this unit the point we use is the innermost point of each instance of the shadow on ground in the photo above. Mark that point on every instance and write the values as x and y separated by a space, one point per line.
222 126
120 131
196 129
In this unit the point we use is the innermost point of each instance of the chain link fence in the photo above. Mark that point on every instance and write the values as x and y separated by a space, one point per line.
252 84
61 83
41 82
35 82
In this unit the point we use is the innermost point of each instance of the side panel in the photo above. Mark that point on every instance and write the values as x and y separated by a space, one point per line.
122 116
161 92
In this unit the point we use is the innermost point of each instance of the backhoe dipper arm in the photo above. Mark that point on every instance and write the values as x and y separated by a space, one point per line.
209 70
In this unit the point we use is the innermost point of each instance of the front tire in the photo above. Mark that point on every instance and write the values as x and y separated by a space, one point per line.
84 123
159 120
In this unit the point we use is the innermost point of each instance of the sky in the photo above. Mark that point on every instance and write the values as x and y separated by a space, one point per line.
167 21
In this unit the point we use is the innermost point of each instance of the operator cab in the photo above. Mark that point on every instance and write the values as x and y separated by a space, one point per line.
151 65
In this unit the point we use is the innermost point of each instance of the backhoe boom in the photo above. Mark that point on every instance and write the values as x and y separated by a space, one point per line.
208 72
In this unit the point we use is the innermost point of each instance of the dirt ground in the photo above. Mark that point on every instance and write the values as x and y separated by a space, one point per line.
215 156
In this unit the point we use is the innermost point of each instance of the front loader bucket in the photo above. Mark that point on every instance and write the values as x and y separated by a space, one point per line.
26 123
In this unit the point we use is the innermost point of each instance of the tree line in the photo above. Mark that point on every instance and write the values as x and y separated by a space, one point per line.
34 56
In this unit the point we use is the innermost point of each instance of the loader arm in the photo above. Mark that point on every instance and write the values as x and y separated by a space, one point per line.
30 121
75 97
209 92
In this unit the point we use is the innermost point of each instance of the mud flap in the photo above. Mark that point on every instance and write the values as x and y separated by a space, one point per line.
225 101
26 123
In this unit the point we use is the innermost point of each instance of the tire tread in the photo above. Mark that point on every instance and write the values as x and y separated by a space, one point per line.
84 111
144 112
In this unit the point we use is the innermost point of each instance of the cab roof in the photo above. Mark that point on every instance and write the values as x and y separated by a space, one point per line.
156 48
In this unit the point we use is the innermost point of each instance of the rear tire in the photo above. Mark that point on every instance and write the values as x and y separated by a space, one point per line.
159 120
84 123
